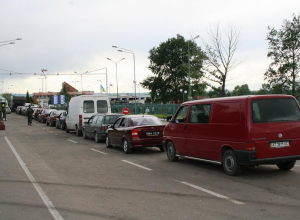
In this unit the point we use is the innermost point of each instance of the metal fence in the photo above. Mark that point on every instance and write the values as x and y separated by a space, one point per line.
164 109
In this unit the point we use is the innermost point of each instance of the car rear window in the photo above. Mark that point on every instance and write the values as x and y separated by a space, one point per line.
274 110
88 106
110 119
102 106
146 121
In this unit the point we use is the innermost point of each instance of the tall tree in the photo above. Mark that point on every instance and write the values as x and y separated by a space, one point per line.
284 50
27 99
220 51
241 90
169 64
7 96
64 91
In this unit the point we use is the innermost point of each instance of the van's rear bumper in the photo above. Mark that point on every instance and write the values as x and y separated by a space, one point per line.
249 158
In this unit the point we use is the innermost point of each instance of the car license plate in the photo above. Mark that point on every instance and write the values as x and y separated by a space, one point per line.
279 144
152 133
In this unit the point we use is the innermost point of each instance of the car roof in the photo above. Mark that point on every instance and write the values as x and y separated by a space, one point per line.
105 114
139 116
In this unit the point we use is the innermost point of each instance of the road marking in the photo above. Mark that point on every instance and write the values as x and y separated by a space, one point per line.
72 141
40 191
55 134
297 165
212 193
98 151
126 161
51 132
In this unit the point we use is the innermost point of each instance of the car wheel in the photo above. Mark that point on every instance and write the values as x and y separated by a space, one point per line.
126 148
61 127
84 134
51 124
97 140
56 126
78 132
161 148
67 130
287 165
171 152
230 164
107 142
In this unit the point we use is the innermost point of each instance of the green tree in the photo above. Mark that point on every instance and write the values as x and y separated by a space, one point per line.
169 64
284 50
241 90
220 52
27 99
63 91
264 90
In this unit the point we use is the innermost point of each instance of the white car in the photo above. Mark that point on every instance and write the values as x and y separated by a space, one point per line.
8 111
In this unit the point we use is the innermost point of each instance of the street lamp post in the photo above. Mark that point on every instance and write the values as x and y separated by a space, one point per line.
18 88
131 52
181 90
189 57
116 74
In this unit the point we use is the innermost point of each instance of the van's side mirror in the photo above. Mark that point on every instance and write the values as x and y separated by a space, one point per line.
169 118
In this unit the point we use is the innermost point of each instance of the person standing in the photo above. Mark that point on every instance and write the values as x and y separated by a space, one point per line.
29 115
3 112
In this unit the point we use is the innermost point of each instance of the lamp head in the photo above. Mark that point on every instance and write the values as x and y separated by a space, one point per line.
108 58
120 50
12 43
19 39
114 46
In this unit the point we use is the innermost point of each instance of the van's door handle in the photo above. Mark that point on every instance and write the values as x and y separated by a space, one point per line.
185 127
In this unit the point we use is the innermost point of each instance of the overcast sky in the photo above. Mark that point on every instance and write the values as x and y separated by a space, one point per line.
64 36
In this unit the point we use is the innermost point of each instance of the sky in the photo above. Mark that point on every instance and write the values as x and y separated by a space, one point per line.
67 36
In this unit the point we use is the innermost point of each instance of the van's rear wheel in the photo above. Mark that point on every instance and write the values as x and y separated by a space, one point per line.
287 165
230 164
171 152
78 132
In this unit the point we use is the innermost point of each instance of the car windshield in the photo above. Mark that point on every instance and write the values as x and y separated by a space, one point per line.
146 121
275 110
110 119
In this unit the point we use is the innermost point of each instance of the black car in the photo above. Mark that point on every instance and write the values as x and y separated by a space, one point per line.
51 118
61 121
96 126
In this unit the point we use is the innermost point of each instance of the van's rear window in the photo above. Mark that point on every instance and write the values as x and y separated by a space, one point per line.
102 106
274 110
88 106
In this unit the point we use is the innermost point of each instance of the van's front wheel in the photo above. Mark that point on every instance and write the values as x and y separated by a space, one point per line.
287 165
230 164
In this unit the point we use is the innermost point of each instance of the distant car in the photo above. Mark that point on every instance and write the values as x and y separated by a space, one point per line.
44 114
97 125
8 110
51 118
61 121
134 131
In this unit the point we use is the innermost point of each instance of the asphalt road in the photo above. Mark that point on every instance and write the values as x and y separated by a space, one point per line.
46 173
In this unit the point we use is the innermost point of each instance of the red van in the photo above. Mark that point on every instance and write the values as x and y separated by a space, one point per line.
236 131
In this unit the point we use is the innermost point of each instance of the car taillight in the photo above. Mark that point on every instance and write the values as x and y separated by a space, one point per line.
45 116
250 146
64 120
103 128
54 118
135 133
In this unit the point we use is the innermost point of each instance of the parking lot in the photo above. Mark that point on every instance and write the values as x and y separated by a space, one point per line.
46 173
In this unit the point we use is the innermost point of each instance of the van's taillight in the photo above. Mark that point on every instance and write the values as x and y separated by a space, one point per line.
135 133
80 119
250 146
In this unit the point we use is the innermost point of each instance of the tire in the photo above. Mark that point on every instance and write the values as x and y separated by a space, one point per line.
126 149
230 164
67 130
84 134
171 152
161 148
286 165
78 132
46 122
107 142
61 126
56 125
51 124
97 140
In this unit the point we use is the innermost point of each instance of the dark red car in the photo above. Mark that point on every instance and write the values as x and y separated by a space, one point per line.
51 118
135 131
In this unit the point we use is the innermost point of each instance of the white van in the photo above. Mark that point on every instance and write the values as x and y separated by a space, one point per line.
81 108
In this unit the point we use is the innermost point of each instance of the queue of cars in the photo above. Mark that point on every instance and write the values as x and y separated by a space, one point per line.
233 132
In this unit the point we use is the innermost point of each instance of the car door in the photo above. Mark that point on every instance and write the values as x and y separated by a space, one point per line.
112 134
197 131
88 126
177 129
120 132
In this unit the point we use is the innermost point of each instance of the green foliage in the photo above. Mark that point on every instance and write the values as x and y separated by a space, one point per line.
241 90
169 64
27 99
217 93
284 50
63 91
49 100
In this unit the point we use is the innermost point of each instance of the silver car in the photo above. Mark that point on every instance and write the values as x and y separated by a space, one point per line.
8 110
